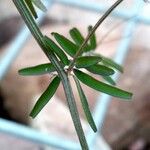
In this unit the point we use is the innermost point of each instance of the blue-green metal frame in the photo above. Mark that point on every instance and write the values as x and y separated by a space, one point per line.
102 102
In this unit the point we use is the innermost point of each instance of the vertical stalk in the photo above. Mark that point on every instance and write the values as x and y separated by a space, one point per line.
30 22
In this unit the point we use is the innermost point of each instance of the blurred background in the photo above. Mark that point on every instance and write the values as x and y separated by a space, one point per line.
126 124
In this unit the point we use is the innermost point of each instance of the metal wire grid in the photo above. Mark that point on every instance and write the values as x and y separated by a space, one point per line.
103 101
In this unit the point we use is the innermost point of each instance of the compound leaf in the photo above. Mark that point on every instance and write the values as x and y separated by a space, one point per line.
101 70
37 70
40 5
86 61
100 86
92 40
76 36
109 80
69 47
85 105
45 97
59 52
111 63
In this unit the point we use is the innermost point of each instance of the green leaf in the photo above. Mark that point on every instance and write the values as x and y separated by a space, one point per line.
31 7
37 70
101 70
85 105
69 47
92 40
40 5
59 52
109 80
86 61
45 97
100 86
109 62
76 36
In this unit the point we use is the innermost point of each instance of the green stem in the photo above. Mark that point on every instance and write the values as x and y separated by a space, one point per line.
92 32
30 22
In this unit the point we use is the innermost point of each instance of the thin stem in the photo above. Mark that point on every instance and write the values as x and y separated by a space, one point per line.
92 32
112 29
30 22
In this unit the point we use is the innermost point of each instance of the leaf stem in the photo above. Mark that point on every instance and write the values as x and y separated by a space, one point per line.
92 32
30 22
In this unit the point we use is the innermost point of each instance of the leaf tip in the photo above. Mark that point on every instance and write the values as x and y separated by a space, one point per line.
53 33
21 72
32 115
95 129
130 96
